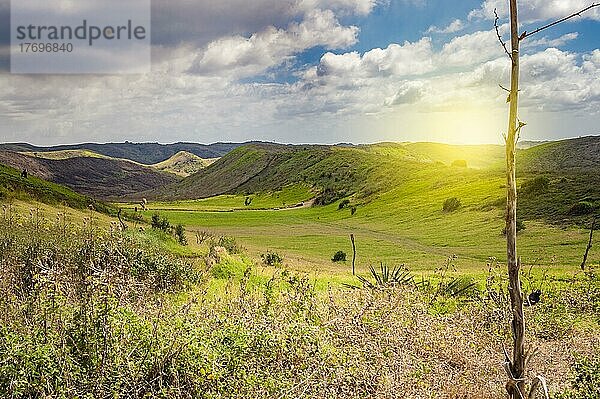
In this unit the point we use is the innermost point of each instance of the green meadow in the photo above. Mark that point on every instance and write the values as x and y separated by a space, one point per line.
404 225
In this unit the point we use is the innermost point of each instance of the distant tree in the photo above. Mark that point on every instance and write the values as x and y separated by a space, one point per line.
460 163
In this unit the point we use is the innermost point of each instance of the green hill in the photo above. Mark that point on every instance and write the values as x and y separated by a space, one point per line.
96 176
367 172
580 154
13 186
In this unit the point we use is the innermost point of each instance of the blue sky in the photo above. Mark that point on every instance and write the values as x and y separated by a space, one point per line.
321 71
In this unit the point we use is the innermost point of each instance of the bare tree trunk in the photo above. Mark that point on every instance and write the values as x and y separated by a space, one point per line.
517 365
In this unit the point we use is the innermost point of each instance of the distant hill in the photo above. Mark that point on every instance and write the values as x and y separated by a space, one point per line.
145 153
102 178
572 154
183 164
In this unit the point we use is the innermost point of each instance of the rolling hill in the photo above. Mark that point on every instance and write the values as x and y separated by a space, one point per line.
13 186
102 178
369 171
183 164
145 153
337 170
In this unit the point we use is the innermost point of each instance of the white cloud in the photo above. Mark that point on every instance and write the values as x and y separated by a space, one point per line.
536 10
397 60
455 26
239 56
403 89
360 7
557 42
470 49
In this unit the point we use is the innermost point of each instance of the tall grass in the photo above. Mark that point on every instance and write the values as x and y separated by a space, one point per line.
87 312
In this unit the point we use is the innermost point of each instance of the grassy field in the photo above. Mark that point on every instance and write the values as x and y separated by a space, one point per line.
405 225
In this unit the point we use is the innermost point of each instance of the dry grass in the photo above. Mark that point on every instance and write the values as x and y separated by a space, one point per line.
90 313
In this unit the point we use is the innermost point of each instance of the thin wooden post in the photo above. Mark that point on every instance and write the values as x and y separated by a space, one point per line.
353 254
590 243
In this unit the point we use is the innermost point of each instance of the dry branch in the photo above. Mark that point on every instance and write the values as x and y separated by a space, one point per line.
497 27
577 14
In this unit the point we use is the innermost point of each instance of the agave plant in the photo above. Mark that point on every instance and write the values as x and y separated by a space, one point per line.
386 277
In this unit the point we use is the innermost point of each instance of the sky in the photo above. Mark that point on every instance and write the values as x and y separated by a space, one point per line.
322 71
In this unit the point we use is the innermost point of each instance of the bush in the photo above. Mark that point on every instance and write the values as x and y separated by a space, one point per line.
460 163
582 208
451 204
536 185
272 258
161 223
339 256
587 381
328 196
229 243
344 204
180 235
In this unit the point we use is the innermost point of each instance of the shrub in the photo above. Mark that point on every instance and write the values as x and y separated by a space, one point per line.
328 196
229 243
339 256
386 277
180 235
451 204
161 223
582 208
587 381
344 204
460 163
272 258
536 185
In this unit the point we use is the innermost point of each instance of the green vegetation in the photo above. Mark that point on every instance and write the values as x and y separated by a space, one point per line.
388 196
586 382
96 312
14 187
272 258
339 256
93 312
451 204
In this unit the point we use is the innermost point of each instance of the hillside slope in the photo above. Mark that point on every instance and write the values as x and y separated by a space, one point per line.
13 186
101 178
333 171
369 171
574 154
145 153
